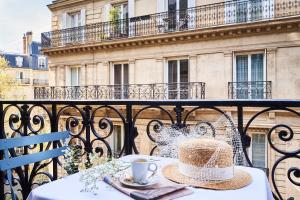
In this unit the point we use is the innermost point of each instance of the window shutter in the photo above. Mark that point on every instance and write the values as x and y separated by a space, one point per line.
162 6
64 21
68 76
82 23
131 8
82 17
106 10
191 13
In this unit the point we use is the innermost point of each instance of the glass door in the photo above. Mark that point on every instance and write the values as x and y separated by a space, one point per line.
74 20
177 19
172 6
183 14
250 76
121 80
122 25
178 79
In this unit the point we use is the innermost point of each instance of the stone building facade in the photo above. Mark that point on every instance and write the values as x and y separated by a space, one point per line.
240 50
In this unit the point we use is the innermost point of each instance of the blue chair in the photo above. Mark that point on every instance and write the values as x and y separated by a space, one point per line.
9 163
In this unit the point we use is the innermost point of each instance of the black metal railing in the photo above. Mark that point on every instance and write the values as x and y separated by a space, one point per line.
212 15
92 123
250 90
157 91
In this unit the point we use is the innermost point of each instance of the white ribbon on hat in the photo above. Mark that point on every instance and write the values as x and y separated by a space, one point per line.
206 174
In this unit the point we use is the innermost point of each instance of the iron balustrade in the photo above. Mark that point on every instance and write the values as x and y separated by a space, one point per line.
211 15
158 91
91 124
250 90
23 80
40 82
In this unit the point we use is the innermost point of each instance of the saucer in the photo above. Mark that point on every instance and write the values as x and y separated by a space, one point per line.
128 181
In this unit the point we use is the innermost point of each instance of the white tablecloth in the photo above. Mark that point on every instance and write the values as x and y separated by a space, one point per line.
69 188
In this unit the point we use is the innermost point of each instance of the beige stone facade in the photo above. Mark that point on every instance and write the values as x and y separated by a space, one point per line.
25 80
212 53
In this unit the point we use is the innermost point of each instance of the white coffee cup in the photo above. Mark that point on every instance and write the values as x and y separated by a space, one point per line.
140 168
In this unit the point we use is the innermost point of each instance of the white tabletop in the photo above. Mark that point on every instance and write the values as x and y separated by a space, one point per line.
70 186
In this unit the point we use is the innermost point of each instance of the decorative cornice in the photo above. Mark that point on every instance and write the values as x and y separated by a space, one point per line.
60 4
230 31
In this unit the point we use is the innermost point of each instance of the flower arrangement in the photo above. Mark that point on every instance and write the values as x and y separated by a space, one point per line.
112 168
72 159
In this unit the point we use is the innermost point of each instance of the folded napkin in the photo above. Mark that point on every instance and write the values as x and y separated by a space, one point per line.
165 190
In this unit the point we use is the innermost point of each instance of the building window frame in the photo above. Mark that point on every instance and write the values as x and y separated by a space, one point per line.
77 76
250 150
115 136
249 72
182 87
120 91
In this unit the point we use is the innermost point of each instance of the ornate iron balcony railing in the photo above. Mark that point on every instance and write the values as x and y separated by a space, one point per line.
212 15
93 123
157 91
250 90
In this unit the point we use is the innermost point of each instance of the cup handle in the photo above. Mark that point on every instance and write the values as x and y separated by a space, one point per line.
152 170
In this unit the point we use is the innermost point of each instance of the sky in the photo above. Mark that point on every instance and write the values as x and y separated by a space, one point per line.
19 16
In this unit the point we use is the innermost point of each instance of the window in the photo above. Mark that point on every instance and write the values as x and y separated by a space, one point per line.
20 75
42 62
74 76
74 19
178 77
116 140
258 150
250 76
121 80
19 61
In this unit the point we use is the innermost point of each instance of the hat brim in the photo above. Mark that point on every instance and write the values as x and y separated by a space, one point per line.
240 179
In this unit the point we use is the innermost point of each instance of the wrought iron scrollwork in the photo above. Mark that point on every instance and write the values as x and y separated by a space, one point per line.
285 134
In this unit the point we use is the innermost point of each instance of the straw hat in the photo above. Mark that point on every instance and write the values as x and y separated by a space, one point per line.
207 163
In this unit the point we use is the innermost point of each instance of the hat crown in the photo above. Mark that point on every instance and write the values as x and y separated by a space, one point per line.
199 153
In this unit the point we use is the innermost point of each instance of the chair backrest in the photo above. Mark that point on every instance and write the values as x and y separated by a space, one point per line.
9 163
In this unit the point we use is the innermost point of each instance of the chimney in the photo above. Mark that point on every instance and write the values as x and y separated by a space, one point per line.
27 40
24 44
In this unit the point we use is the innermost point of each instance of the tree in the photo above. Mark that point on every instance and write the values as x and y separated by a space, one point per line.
7 81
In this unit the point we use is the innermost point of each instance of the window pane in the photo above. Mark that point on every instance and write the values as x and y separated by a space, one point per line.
126 76
242 77
183 4
258 150
117 140
74 76
242 68
172 76
117 74
257 67
184 71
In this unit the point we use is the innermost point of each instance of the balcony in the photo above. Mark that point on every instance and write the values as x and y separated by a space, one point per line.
227 13
23 81
250 90
157 91
92 123
40 82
